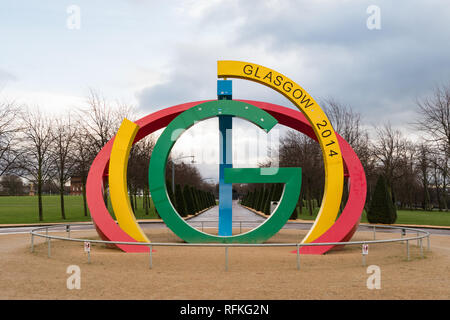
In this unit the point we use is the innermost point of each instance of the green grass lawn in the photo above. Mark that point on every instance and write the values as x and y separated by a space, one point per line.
433 218
25 209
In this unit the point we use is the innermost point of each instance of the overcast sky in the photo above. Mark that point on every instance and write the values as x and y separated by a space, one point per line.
155 54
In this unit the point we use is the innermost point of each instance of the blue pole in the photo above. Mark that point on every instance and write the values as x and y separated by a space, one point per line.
224 92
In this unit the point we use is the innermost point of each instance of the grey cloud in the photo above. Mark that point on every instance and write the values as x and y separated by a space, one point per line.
326 47
377 72
191 76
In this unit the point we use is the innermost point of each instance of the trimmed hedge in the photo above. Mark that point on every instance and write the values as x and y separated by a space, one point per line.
382 208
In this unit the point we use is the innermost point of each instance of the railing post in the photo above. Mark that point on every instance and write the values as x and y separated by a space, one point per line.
363 256
202 225
417 239
32 242
421 248
226 258
403 233
49 249
407 250
428 242
374 233
298 256
151 257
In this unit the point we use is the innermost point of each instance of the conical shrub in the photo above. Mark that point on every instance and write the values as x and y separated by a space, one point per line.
382 208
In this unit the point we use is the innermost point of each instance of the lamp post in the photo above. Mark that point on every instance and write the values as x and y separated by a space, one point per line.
173 169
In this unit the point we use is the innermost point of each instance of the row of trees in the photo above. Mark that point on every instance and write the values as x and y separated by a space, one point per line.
36 148
47 151
189 200
260 199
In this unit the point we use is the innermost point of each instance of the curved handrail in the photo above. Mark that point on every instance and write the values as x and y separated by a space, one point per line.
423 235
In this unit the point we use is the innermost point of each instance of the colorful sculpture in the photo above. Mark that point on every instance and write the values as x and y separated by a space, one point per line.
335 150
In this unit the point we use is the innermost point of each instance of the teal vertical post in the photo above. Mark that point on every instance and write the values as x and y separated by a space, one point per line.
224 92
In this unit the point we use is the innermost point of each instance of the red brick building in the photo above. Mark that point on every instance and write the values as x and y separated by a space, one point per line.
76 186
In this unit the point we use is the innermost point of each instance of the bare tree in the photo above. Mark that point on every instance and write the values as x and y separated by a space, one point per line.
83 155
395 159
137 168
345 121
62 153
434 116
434 121
424 170
9 129
100 122
12 185
389 149
439 163
37 161
298 150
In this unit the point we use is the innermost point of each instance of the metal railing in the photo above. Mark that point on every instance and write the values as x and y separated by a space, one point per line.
201 223
420 235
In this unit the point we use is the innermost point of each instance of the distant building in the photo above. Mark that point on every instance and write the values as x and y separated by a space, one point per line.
76 186
31 191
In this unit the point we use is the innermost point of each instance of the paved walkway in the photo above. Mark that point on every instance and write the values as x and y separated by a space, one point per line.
241 217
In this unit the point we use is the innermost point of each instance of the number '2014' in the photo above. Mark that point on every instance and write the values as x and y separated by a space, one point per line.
326 134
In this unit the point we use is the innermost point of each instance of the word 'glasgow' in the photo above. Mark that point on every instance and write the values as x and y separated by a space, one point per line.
278 80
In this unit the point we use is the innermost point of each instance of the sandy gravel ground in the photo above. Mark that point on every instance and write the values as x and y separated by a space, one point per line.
199 273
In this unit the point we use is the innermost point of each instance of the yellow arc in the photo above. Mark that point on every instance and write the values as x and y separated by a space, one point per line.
118 190
334 170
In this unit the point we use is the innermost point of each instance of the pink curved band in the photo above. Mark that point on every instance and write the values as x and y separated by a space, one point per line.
342 230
